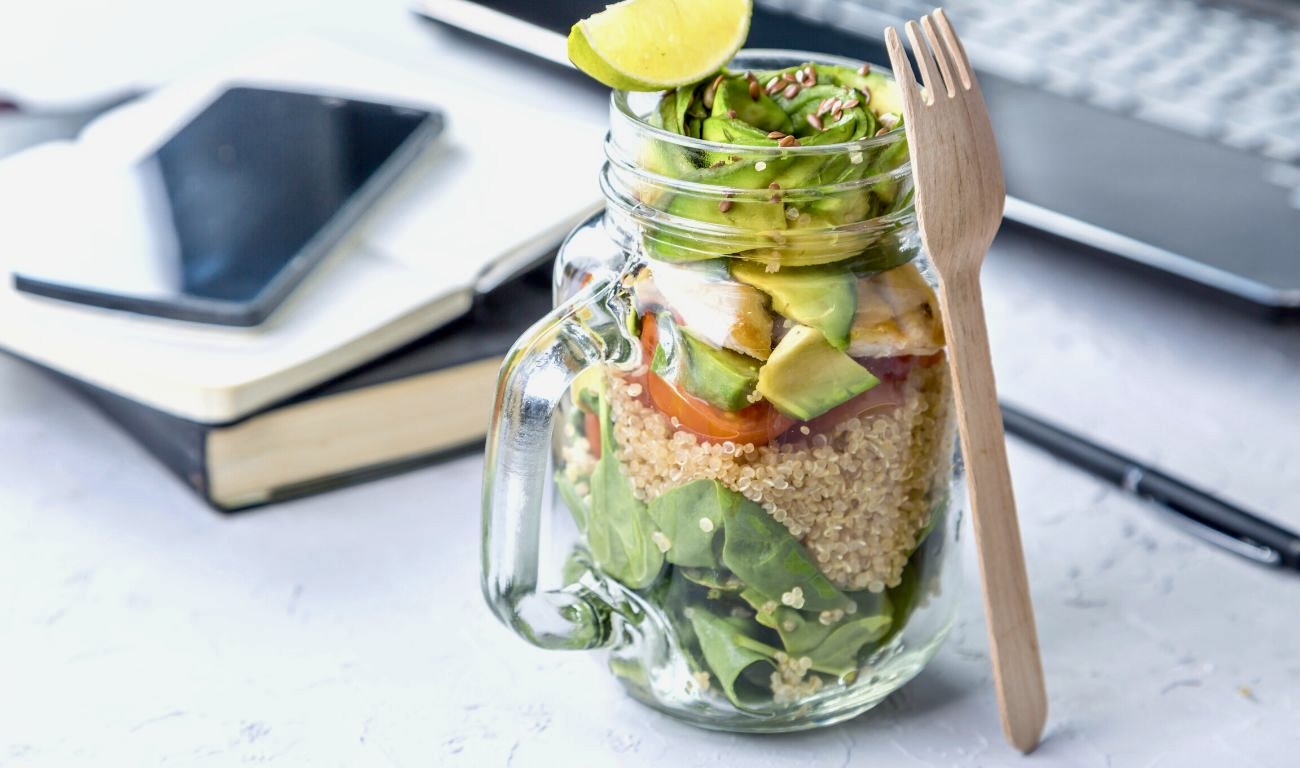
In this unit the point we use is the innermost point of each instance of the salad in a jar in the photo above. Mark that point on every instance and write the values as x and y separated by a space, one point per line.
768 474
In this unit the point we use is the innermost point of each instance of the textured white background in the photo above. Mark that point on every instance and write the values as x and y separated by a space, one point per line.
139 628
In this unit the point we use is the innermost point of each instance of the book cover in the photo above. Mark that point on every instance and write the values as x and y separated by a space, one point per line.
425 401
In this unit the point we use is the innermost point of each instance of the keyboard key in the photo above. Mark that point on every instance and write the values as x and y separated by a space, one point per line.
1282 149
1179 116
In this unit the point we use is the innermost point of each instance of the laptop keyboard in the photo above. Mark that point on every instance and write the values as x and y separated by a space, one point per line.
1211 71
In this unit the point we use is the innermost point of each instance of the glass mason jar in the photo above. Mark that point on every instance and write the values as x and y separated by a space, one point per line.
753 430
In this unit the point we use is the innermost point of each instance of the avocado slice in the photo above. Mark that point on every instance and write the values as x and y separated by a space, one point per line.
760 215
823 298
806 377
720 377
763 113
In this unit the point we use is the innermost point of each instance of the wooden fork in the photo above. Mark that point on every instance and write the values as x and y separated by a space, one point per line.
959 199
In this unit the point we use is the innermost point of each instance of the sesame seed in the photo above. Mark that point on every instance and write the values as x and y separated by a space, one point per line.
788 141
731 113
865 69
774 185
882 131
791 91
838 116
851 103
706 525
773 86
724 205
816 122
788 77
775 135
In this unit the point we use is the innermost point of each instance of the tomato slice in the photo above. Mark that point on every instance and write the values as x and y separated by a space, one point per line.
591 426
758 423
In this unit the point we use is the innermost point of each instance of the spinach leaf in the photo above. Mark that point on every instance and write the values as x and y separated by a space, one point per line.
691 517
834 649
838 653
577 507
764 554
721 580
729 651
619 532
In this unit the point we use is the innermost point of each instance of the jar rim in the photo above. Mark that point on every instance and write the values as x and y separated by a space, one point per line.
622 109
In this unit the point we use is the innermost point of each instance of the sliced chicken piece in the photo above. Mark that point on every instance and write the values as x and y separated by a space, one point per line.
717 309
897 314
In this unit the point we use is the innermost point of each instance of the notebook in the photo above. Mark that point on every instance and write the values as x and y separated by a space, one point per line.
468 214
423 401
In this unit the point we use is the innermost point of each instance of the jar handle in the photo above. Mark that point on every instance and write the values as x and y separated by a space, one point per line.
586 330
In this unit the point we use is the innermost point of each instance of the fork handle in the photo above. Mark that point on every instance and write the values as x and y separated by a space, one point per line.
1013 639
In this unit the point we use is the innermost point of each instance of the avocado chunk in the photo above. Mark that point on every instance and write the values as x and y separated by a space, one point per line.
720 377
806 377
822 298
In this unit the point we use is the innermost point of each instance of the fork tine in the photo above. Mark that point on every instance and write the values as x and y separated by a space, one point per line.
902 67
940 52
924 62
954 47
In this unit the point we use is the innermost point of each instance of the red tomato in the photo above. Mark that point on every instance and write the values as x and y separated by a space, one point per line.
591 426
758 423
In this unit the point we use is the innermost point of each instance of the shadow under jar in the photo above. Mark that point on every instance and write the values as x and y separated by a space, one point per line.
744 389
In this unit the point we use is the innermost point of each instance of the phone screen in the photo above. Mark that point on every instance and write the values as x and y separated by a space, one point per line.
235 208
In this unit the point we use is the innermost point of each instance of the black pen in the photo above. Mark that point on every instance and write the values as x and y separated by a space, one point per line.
1196 511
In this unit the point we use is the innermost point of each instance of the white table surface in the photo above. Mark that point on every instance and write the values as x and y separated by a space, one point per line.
137 627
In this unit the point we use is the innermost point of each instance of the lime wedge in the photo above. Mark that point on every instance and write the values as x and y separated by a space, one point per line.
651 45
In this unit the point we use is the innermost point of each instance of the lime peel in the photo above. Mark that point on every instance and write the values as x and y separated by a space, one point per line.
652 45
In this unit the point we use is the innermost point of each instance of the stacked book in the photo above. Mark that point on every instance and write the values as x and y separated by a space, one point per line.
384 357
422 402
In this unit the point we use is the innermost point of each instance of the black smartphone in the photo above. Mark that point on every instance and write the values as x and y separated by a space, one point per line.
236 207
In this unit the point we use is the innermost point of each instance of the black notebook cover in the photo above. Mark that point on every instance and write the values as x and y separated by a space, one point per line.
491 328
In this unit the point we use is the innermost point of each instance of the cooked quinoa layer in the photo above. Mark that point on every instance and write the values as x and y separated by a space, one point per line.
856 497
